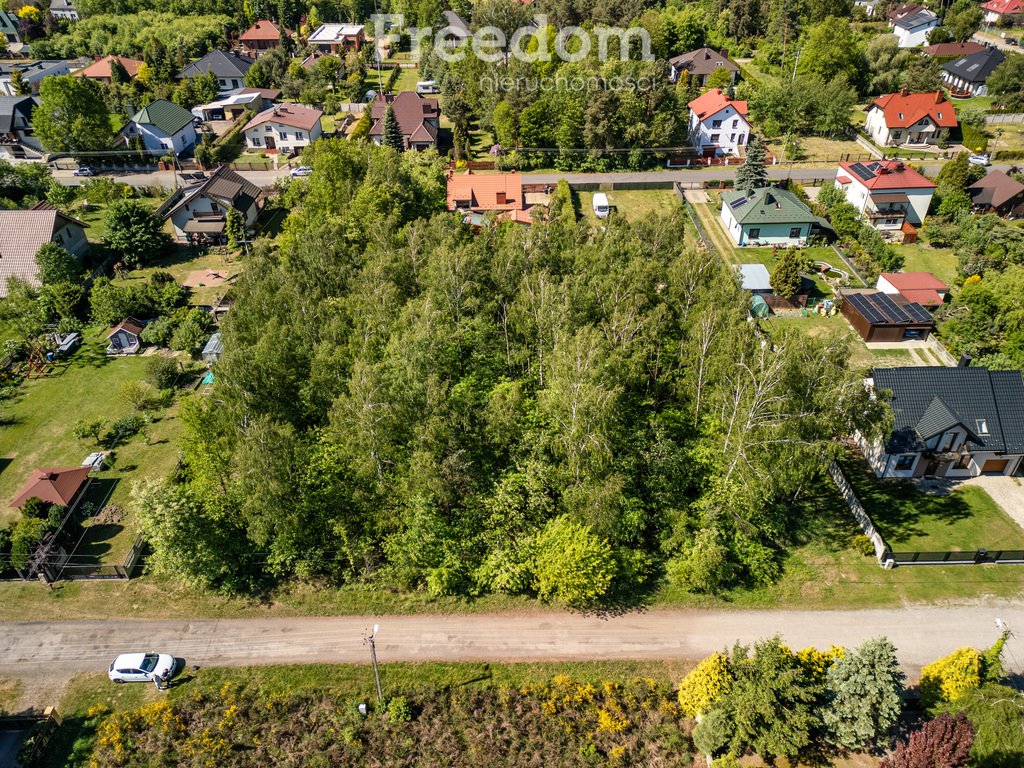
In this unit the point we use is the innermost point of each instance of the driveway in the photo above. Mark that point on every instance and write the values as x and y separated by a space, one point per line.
1007 492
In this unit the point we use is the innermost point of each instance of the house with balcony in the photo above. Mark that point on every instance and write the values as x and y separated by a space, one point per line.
17 139
906 119
1003 11
63 9
261 37
968 75
952 423
718 124
418 119
998 193
888 193
198 214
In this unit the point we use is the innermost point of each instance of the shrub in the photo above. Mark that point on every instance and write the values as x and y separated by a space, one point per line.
84 429
573 565
705 685
950 677
399 710
162 372
191 333
138 395
124 428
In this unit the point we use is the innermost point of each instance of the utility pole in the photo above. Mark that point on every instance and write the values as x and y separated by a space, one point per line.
369 640
795 62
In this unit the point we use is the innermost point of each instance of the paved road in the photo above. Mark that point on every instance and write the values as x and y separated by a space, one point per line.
997 41
44 652
167 179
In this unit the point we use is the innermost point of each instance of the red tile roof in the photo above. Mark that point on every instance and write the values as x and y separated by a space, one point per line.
486 192
55 485
914 281
411 113
953 50
713 102
101 69
925 298
889 174
1004 7
904 109
261 30
291 115
130 324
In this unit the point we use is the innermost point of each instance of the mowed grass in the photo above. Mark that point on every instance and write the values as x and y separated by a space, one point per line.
10 693
820 149
183 261
633 204
818 326
40 419
920 257
96 216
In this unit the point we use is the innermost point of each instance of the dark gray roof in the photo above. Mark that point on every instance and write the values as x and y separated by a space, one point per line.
225 185
977 67
925 398
222 64
9 105
703 61
915 20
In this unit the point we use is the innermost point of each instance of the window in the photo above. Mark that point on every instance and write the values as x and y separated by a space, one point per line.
940 115
755 233
964 462
742 139
284 134
300 135
736 123
901 115
714 137
794 232
716 123
982 426
905 462
732 137
256 141
269 128
897 134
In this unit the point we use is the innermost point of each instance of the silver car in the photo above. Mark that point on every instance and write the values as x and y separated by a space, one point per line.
141 667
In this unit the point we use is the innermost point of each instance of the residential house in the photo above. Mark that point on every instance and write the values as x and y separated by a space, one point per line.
768 216
283 128
32 74
886 192
234 105
456 31
922 288
125 338
868 6
902 11
100 69
163 127
338 38
17 139
63 9
968 75
718 124
10 27
198 214
905 119
881 317
912 29
1003 11
24 232
261 37
418 119
755 278
952 423
948 51
700 65
996 192
480 195
228 68
63 486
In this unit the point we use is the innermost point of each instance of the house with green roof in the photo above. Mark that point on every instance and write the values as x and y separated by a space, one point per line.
768 216
163 127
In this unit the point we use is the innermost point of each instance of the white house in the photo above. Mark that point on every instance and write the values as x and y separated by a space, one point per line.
63 9
718 124
912 30
163 126
868 6
338 38
886 192
968 75
909 119
283 128
198 214
767 216
999 11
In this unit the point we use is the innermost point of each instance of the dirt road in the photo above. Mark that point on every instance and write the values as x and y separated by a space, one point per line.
43 653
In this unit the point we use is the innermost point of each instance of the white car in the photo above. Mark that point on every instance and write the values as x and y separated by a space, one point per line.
141 667
978 160
302 170
85 170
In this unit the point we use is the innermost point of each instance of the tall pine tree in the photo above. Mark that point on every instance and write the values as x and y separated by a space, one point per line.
392 135
752 174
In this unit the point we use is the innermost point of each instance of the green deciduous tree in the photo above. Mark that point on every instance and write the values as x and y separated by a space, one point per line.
572 565
135 232
1007 82
864 691
72 116
56 265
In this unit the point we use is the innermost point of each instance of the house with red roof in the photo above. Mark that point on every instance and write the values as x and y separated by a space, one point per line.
1000 11
886 192
922 288
100 69
283 128
718 124
418 119
57 485
479 194
906 119
261 37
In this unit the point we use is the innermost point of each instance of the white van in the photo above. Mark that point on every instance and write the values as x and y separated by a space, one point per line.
601 209
427 87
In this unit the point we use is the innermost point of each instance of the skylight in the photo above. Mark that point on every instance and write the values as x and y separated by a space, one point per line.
982 425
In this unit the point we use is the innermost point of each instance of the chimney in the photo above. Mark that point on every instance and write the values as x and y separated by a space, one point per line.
938 97
900 167
725 53
904 92
965 361
500 198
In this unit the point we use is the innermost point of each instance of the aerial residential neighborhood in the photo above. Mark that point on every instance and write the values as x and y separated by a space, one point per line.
512 383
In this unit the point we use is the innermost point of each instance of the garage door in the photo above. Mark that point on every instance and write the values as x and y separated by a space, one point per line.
995 465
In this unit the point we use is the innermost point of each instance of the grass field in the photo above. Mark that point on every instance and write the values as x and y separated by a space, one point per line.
920 257
96 217
633 204
183 260
820 149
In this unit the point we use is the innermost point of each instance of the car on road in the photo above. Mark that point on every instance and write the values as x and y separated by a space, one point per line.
979 160
302 170
142 667
1012 41
85 170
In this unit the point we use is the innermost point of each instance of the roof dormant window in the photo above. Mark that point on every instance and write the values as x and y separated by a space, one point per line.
982 425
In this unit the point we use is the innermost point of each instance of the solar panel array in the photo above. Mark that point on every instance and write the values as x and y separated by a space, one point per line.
861 172
738 203
879 308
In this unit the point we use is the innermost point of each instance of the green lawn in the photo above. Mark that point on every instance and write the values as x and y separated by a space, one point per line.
633 204
37 433
861 358
96 217
920 257
769 257
183 261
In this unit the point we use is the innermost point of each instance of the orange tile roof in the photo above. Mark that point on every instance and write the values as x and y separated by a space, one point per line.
291 115
713 102
914 281
261 30
101 69
485 192
1004 7
904 109
55 485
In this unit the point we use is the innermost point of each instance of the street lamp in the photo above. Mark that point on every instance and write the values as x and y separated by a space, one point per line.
369 640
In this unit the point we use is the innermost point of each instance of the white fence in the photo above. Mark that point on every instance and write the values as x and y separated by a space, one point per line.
1016 117
861 516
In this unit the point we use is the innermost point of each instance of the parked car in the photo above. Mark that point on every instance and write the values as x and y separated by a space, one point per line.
978 160
302 170
1012 41
85 170
142 667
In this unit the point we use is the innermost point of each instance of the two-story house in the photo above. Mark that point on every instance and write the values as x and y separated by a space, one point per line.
1003 11
32 74
261 37
718 124
338 38
283 128
17 139
906 119
229 69
953 423
99 70
968 75
198 214
418 119
63 9
23 233
767 216
700 65
162 127
912 29
886 192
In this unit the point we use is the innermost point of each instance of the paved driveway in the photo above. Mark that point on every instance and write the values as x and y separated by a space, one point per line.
1007 492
